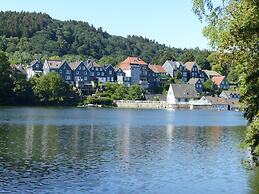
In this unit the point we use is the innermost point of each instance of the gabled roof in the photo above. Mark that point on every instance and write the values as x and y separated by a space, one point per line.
174 64
108 65
35 61
55 64
193 81
125 65
216 100
156 68
184 91
118 69
92 64
211 73
190 64
74 65
218 80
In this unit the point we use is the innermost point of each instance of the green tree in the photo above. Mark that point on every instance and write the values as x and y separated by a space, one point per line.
6 84
50 88
187 56
22 89
233 29
217 68
202 61
136 93
210 87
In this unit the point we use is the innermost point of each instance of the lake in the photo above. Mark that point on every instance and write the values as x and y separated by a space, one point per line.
73 150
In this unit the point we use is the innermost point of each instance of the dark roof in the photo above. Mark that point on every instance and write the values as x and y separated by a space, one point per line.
184 91
35 61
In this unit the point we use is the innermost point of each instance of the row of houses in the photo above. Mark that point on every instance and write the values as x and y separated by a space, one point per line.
187 94
133 70
191 73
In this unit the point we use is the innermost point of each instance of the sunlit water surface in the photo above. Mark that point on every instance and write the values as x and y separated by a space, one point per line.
70 150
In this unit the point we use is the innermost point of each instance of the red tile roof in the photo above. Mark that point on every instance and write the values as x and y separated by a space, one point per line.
125 65
218 80
156 68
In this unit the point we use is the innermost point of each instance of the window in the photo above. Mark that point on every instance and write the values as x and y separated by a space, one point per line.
92 73
112 79
110 72
60 71
77 72
68 72
85 72
98 73
97 69
102 73
79 68
37 65
85 78
83 67
67 77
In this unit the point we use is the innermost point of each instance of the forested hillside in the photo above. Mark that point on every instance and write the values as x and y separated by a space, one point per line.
26 36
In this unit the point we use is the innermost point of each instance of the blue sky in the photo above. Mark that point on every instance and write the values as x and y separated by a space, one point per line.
171 22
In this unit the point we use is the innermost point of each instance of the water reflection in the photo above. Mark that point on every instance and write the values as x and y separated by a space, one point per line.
121 155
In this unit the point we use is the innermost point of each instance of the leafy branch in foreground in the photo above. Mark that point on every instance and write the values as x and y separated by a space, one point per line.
233 29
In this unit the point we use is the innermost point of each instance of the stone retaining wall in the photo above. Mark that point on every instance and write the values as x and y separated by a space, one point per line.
157 105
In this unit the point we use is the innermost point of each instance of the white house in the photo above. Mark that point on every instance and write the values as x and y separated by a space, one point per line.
181 93
35 68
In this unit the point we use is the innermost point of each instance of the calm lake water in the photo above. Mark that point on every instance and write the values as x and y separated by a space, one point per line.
71 150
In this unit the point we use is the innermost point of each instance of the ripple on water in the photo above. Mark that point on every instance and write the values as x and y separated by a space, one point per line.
120 151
